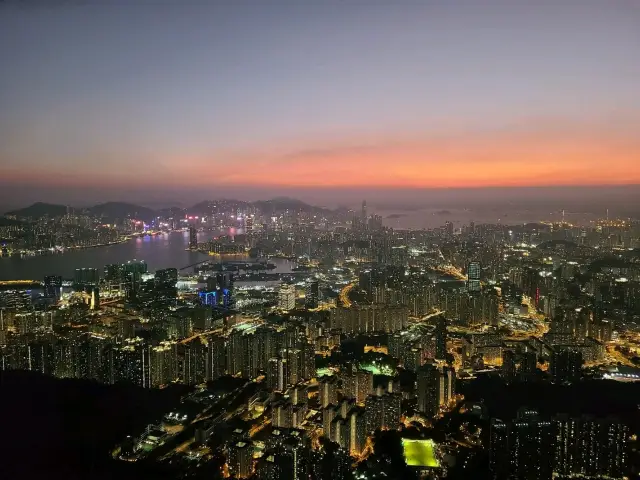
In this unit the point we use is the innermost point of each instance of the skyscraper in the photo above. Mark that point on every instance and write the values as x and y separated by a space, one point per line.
565 365
240 459
509 366
194 362
531 441
275 375
193 238
428 389
447 385
162 365
132 272
52 286
448 228
567 447
311 294
85 277
499 448
328 390
383 411
216 357
473 277
356 384
164 288
287 297
441 337
363 215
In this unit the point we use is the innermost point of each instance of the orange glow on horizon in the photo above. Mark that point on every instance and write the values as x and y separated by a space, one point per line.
552 157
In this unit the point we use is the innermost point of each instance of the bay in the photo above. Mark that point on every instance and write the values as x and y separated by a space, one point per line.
160 251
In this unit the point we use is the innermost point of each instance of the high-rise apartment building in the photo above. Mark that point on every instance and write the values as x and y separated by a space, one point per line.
328 391
356 384
474 272
194 362
435 388
52 286
162 365
383 411
567 447
441 337
287 297
86 277
565 365
311 294
240 459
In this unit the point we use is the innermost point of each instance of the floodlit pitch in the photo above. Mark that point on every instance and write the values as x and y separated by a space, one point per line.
420 453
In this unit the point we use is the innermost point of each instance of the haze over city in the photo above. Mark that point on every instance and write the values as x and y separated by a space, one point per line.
161 101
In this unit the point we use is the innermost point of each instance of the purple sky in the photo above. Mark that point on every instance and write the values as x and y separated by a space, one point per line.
275 96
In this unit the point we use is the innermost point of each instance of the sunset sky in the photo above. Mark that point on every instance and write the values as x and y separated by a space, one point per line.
289 94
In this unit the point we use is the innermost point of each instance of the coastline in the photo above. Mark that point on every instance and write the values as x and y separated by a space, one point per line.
62 250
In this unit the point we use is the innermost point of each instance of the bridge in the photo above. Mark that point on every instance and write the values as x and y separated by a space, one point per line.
193 265
451 271
233 262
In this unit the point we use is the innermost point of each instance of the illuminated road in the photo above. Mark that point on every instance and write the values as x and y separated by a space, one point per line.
193 337
451 271
617 356
344 295
419 320
185 438
220 330
257 428
111 302
19 283
431 315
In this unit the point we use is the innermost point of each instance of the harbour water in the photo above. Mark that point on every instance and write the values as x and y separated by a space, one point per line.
170 250
160 251
434 218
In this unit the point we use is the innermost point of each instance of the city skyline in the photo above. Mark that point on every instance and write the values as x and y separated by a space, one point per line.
288 97
322 240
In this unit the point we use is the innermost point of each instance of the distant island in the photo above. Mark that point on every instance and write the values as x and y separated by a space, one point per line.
396 215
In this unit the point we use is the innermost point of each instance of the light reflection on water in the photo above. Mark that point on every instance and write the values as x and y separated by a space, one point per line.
160 251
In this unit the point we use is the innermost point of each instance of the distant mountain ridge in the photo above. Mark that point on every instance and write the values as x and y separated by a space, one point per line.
286 203
39 210
121 210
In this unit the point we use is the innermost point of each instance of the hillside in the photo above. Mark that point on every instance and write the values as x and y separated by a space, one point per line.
111 211
172 212
70 434
120 211
280 204
207 206
39 210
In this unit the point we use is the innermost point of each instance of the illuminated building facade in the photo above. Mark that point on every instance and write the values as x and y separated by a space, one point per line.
287 297
581 447
474 272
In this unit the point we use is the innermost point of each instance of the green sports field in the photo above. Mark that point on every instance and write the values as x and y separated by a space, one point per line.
419 453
